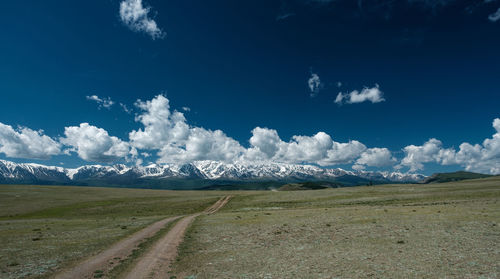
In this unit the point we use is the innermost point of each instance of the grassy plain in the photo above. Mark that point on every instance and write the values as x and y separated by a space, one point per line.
45 228
447 230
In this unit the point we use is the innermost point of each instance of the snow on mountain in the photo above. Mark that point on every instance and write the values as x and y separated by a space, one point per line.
10 171
391 176
208 170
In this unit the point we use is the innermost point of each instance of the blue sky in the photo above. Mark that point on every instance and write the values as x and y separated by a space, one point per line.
407 72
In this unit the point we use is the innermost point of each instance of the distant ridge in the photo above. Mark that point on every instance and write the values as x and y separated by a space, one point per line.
453 176
196 175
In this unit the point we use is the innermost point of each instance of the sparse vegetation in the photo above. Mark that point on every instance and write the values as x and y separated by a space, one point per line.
426 230
393 231
45 228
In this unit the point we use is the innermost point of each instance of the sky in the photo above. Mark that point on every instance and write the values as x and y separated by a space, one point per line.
409 86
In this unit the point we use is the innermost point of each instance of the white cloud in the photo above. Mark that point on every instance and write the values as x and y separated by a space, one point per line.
343 153
135 16
415 156
375 157
168 134
186 109
483 157
314 84
266 145
125 108
307 149
494 16
95 144
202 144
102 102
175 140
161 127
373 95
496 124
339 98
26 143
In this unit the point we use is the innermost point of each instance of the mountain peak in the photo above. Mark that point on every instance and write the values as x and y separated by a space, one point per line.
11 172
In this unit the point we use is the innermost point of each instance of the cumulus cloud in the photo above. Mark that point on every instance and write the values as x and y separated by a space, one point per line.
167 134
95 144
177 141
136 17
415 155
343 153
26 143
202 144
265 143
307 148
496 124
321 149
314 84
373 95
101 102
375 157
161 127
494 16
483 157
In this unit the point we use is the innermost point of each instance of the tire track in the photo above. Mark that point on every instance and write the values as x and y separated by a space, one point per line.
110 257
156 262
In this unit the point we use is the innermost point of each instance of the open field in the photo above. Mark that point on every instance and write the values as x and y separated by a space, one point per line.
394 231
45 228
390 231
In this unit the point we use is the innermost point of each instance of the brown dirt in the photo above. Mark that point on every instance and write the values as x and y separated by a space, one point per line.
109 258
156 262
218 205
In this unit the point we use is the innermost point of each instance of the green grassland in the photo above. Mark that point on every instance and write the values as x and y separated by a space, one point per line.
44 228
386 231
449 230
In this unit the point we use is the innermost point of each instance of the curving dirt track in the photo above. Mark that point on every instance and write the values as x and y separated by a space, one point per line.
218 205
107 259
156 262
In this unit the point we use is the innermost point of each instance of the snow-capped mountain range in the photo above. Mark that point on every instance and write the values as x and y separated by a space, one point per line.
209 171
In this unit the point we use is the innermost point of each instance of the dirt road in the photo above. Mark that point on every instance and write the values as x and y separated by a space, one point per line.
156 262
218 205
107 259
